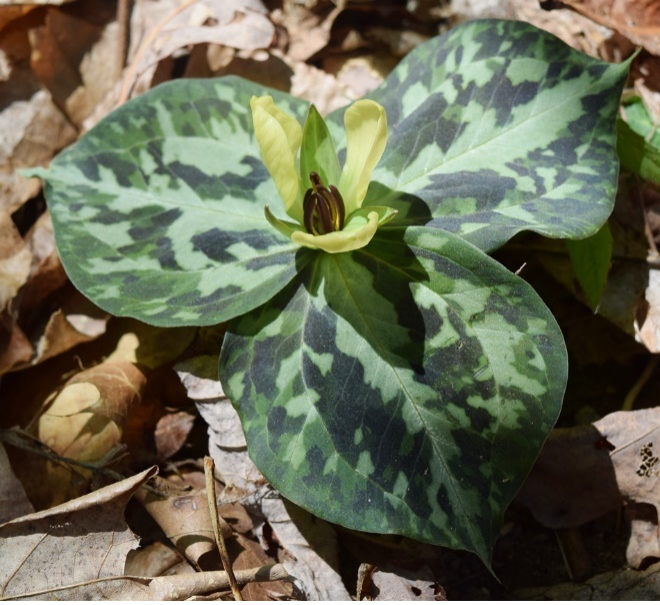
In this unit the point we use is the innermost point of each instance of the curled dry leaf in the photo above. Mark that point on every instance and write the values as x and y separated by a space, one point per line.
13 500
84 421
82 540
620 585
586 471
156 559
309 544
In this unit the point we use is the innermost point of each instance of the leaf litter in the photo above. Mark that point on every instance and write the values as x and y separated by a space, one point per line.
103 392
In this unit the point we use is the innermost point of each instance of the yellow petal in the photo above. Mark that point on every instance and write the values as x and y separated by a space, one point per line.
279 136
356 234
366 135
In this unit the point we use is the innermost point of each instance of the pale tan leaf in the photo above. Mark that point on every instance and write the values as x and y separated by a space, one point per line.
391 583
84 539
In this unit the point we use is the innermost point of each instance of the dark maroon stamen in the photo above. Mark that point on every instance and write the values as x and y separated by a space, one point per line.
323 207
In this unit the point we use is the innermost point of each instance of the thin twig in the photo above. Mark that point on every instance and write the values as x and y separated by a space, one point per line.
123 23
29 443
209 467
130 77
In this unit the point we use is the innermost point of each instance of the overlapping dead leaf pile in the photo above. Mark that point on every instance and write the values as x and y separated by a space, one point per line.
88 401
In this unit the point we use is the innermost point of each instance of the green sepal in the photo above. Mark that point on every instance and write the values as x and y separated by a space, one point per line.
317 153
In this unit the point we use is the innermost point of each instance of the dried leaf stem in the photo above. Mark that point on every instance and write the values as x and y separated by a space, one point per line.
209 467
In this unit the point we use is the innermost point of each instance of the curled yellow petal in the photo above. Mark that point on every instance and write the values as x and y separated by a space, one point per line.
366 135
356 234
279 136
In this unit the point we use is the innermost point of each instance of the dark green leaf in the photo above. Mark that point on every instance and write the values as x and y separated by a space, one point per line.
159 210
414 384
498 127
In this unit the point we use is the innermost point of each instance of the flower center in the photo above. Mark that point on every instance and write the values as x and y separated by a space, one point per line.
323 207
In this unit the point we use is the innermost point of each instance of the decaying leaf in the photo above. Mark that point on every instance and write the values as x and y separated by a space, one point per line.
586 471
310 542
13 500
82 540
86 421
620 585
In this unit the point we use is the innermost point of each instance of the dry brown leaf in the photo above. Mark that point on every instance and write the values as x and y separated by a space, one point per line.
308 26
15 348
392 583
171 433
587 471
639 20
82 540
33 127
47 274
75 56
13 500
620 585
309 543
15 260
253 555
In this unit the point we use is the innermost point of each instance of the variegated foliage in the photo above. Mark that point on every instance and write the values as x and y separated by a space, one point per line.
405 387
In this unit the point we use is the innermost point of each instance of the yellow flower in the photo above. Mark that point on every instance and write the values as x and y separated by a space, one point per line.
326 216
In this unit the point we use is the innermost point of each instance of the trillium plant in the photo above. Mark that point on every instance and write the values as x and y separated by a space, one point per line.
390 376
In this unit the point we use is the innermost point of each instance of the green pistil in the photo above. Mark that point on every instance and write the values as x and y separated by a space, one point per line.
323 207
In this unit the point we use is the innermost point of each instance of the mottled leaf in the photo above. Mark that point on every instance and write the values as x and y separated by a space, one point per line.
498 127
158 211
416 380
